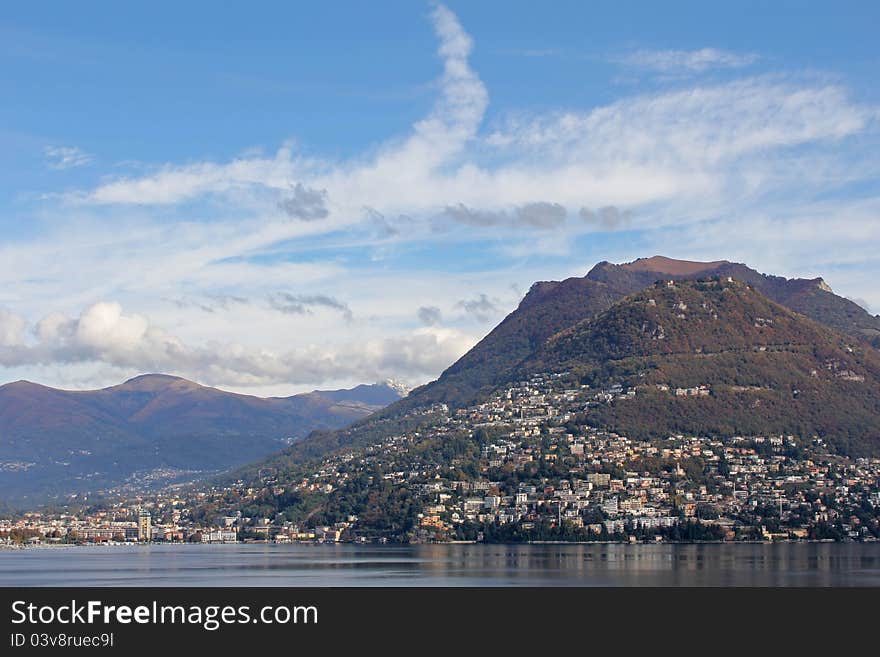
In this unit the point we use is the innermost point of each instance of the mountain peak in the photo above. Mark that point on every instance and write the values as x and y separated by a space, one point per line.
375 394
397 386
663 265
157 382
552 306
22 384
822 285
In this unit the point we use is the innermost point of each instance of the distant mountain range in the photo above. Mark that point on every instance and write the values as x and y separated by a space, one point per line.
153 428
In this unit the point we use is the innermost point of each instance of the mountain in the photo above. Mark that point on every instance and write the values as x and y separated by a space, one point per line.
753 367
689 410
377 394
548 308
531 336
808 296
153 427
551 306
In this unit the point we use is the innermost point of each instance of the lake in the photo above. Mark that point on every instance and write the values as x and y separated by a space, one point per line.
784 564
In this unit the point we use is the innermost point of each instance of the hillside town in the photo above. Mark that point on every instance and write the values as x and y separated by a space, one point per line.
516 467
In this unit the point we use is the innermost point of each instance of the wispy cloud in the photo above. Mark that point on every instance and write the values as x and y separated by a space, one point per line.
640 150
541 215
66 157
301 304
606 218
481 307
435 139
671 140
429 315
539 52
686 61
211 303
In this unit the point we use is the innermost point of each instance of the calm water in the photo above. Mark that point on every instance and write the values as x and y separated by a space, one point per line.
789 564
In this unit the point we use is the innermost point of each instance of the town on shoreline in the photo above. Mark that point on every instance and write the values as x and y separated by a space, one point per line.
519 467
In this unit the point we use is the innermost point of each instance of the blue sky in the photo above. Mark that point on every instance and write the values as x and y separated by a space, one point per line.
281 196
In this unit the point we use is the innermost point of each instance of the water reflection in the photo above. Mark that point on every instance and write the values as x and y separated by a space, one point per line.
661 565
787 564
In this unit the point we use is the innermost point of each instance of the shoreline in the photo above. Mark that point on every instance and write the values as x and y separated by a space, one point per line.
49 546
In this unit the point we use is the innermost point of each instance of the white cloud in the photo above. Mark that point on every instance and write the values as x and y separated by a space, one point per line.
691 61
695 128
11 329
66 157
176 184
640 150
439 136
104 334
